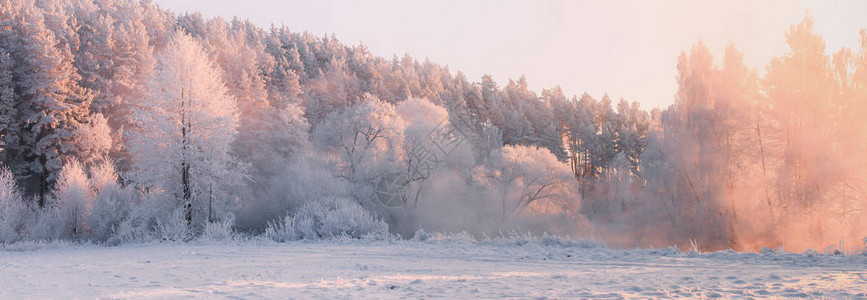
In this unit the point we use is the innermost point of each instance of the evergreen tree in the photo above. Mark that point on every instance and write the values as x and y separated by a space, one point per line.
51 104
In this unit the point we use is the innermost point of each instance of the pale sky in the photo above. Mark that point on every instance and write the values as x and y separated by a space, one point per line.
624 48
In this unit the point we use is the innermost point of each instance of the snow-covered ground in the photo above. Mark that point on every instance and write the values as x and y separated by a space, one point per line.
396 269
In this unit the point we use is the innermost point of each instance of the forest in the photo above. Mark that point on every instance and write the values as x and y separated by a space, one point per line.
124 122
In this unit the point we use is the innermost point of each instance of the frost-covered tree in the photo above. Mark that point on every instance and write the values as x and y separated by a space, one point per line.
72 200
283 80
186 125
422 118
367 138
366 142
813 150
529 175
50 102
271 128
329 92
114 57
94 140
737 161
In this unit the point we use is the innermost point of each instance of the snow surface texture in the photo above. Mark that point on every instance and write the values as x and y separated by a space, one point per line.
432 268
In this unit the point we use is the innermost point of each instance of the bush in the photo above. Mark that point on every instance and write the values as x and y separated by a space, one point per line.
219 231
13 211
82 207
111 208
47 225
282 230
141 223
174 228
112 203
421 235
327 218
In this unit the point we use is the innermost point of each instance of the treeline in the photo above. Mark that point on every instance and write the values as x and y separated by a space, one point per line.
778 160
208 120
193 122
81 58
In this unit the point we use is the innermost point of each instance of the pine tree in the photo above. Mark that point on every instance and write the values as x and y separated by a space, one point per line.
51 104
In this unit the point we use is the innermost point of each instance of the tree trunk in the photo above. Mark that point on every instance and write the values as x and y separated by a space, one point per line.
188 203
185 167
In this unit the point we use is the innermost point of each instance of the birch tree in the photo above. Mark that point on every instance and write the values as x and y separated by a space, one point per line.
187 122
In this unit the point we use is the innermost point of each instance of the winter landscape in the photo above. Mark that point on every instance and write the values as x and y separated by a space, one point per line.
153 153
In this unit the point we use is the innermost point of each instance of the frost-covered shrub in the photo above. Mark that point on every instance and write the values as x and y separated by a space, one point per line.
13 211
141 223
282 230
81 207
174 227
326 218
219 231
337 217
47 224
421 235
111 205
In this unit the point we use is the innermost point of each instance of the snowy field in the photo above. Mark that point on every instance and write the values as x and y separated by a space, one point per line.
450 269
